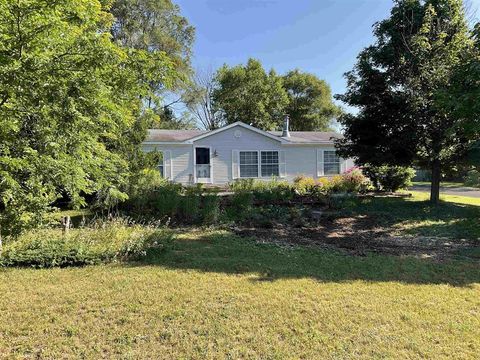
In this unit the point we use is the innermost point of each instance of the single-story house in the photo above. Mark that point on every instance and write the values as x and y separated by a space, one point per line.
239 151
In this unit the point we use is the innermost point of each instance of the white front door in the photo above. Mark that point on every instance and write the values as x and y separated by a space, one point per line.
203 170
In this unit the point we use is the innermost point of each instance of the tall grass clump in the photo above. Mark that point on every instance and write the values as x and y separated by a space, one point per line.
102 242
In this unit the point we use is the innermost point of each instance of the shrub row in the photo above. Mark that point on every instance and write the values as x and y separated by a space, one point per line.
353 181
160 198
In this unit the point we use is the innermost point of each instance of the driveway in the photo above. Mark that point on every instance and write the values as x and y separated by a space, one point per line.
451 190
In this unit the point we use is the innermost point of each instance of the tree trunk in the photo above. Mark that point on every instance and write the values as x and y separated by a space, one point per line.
435 188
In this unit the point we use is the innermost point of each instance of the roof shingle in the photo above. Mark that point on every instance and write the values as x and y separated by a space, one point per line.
157 135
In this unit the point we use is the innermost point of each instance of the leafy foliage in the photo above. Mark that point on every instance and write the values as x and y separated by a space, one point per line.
389 178
69 107
310 105
399 85
100 243
248 93
473 178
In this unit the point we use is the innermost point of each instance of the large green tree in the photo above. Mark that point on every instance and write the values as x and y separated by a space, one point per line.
397 86
157 26
310 104
248 93
70 100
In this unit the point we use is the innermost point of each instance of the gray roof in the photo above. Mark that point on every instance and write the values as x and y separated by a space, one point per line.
155 135
172 135
309 136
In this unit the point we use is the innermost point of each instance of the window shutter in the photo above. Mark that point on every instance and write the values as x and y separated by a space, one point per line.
343 165
319 162
282 163
235 165
167 164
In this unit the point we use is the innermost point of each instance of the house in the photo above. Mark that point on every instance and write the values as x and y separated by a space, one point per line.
239 151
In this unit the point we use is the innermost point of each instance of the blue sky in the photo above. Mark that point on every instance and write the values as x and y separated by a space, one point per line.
318 36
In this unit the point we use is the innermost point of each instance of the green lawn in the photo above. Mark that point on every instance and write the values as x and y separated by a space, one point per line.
456 217
445 184
215 295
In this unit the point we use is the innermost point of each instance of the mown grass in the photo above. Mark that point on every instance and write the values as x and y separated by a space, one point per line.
456 217
215 295
446 184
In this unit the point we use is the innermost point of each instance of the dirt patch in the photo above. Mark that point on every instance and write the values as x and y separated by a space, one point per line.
358 235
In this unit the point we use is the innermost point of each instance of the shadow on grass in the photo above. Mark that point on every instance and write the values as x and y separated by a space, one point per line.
223 252
448 219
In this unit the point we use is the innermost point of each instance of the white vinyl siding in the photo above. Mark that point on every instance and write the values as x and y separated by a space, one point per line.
177 162
226 146
293 159
248 164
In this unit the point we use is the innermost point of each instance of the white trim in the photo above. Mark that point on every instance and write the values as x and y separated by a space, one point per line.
210 179
238 123
320 171
237 154
167 167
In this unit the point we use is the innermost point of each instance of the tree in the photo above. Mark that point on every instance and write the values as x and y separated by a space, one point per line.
198 99
397 85
248 93
165 118
310 102
155 26
70 100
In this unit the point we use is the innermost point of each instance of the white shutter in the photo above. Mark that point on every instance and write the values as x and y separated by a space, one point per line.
167 164
343 165
235 164
282 163
319 162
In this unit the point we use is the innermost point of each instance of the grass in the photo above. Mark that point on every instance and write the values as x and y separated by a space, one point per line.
218 296
444 184
456 217
215 295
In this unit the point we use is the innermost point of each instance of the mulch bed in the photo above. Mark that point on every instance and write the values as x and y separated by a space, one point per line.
356 235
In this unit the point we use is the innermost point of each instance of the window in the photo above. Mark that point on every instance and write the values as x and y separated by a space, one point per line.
270 165
248 164
161 165
331 163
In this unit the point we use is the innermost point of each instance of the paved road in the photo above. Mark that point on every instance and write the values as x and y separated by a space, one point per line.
460 190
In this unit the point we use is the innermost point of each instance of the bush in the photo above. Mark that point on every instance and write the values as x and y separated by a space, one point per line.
304 185
211 209
273 190
389 178
473 178
354 181
102 243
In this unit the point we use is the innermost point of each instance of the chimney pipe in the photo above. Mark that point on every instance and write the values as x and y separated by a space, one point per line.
286 132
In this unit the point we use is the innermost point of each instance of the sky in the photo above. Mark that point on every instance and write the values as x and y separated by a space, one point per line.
322 37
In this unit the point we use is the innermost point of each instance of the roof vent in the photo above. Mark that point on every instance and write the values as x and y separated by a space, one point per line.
286 132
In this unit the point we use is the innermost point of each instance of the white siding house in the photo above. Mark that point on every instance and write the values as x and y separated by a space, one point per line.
242 151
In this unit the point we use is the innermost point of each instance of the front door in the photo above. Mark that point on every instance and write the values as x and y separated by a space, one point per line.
202 165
